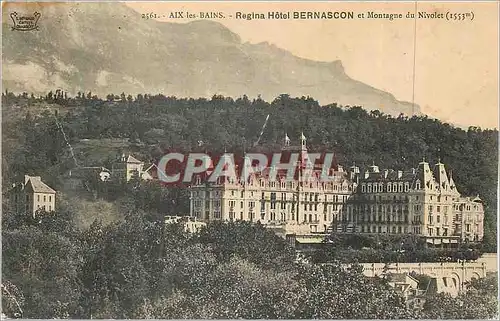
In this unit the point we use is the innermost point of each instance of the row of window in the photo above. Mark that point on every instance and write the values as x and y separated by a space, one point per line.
438 219
215 193
389 187
380 208
461 207
438 209
385 229
380 218
290 185
380 198
437 231
38 198
306 196
307 218
43 207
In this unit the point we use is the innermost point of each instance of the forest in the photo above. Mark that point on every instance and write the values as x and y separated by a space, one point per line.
141 268
150 125
134 266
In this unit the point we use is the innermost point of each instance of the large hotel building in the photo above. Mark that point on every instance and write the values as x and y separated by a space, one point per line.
422 201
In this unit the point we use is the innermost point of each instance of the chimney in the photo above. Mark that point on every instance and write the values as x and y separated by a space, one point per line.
400 174
354 172
367 174
386 172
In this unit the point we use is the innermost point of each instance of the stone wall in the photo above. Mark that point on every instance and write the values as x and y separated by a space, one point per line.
449 277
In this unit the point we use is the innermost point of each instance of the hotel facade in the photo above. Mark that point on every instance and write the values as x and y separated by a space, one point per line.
423 201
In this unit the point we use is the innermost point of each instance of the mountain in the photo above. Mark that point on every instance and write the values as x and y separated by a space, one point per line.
108 48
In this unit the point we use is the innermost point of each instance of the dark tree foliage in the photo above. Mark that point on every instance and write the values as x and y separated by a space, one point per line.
384 248
253 243
140 268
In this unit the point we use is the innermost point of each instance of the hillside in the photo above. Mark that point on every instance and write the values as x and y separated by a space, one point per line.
108 48
147 126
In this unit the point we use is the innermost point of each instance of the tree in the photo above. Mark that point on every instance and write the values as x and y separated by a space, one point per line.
251 242
347 294
44 266
12 300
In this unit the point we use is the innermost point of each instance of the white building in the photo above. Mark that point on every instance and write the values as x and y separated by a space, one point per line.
33 195
422 201
128 167
300 206
191 225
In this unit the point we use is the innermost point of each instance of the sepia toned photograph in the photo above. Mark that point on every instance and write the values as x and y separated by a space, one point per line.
250 160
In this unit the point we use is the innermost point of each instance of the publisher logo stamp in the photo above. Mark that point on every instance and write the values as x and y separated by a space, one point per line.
24 22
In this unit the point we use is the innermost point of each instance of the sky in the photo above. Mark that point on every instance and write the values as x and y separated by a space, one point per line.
453 74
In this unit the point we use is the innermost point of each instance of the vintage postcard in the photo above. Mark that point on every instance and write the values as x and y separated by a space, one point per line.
250 160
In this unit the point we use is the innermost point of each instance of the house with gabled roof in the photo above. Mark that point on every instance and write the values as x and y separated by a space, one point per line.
34 195
128 167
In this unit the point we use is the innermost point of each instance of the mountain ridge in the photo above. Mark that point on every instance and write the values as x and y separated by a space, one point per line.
125 53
